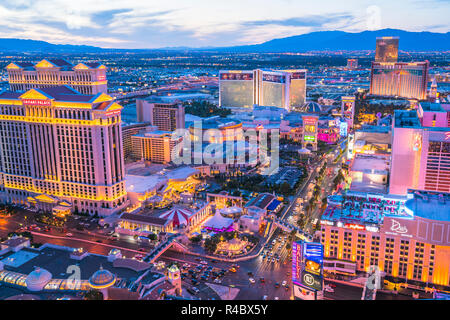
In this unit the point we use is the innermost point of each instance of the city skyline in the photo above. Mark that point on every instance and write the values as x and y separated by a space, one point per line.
137 24
312 166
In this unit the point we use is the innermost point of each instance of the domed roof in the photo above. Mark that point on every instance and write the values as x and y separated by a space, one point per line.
312 107
37 279
179 216
102 278
173 268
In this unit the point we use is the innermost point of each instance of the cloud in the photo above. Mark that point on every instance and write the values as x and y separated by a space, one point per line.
129 21
158 23
306 21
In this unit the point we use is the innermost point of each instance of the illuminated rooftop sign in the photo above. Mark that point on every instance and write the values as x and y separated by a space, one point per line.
37 102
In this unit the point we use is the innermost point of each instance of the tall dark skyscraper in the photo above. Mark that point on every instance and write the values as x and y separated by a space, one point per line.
387 49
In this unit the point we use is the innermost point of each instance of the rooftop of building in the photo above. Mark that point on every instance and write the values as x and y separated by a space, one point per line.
14 242
371 208
406 119
154 133
144 218
56 260
62 64
432 107
216 122
58 93
262 201
371 163
374 129
143 181
429 205
363 208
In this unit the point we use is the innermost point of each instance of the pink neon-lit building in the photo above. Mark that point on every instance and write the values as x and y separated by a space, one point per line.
421 149
328 134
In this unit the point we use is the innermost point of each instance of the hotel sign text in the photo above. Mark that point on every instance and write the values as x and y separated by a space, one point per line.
37 102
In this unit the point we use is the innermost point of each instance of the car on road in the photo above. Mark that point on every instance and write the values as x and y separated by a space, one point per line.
287 287
276 298
327 288
203 262
273 260
69 234
277 285
262 280
195 289
283 283
265 298
194 281
233 269
186 265
217 280
250 274
251 280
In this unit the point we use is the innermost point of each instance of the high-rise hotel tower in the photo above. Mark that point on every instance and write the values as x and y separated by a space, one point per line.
269 88
399 79
60 148
87 78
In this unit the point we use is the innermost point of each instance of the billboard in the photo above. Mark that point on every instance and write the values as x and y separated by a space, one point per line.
310 128
303 293
307 265
311 280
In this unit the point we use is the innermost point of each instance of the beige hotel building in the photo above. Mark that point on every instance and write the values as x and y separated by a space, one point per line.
62 148
86 78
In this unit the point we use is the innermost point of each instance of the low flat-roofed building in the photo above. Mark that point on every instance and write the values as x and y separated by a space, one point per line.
15 244
142 185
130 130
369 173
142 224
154 146
45 271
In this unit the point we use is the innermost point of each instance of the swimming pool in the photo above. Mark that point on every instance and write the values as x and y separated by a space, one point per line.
19 258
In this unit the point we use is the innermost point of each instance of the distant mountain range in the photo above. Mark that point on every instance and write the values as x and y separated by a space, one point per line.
25 45
340 40
314 41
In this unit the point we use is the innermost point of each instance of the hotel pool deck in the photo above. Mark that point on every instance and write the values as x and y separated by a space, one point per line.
18 258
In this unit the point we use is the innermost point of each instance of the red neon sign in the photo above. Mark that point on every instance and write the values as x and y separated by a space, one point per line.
309 120
113 113
354 226
101 77
37 102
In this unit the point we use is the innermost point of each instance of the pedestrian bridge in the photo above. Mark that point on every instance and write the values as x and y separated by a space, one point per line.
171 241
289 227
